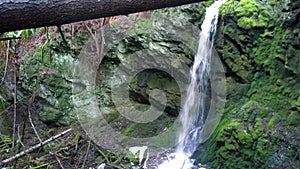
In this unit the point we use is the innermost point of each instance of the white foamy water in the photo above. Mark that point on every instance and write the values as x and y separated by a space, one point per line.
193 113
177 161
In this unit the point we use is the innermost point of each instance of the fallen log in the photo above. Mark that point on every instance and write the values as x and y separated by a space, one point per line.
24 14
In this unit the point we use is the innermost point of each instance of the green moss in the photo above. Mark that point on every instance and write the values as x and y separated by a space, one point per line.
258 46
293 118
228 7
245 136
247 23
297 104
275 119
247 8
249 13
263 18
143 130
2 103
113 115
244 139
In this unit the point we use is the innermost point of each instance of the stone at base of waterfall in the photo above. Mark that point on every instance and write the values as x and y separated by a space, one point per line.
101 166
177 161
203 166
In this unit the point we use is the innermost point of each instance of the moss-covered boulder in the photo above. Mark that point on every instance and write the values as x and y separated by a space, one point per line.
258 44
46 76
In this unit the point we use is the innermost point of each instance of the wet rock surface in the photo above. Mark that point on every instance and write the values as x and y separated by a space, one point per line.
258 45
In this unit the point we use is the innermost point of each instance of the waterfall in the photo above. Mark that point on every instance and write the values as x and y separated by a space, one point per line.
194 111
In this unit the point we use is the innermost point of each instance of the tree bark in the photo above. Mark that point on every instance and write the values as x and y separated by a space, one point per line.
24 14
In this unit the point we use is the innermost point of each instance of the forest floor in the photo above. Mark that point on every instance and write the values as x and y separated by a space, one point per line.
73 149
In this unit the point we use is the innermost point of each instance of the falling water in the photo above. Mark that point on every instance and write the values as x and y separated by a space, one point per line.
194 110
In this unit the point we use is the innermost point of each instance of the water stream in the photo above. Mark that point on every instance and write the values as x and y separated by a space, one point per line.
194 111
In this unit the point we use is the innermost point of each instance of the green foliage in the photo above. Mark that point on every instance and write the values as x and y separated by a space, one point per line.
249 13
5 140
246 8
228 7
247 22
132 158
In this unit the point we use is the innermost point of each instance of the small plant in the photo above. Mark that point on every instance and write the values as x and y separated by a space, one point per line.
132 158
5 142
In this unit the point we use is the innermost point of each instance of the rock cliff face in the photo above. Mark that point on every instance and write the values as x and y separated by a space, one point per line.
259 45
157 53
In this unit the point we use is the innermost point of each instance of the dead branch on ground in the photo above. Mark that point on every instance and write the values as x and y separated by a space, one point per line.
10 159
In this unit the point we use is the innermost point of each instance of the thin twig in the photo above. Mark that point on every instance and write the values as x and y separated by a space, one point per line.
103 154
114 166
94 38
42 165
5 144
9 38
86 154
58 161
32 125
34 147
100 56
6 63
183 164
72 32
31 100
62 34
44 45
15 103
19 137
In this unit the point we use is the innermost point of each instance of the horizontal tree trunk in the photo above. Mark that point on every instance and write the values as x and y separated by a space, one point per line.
24 14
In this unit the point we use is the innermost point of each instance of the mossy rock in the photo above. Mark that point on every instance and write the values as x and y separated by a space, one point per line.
250 14
5 122
52 80
251 132
294 118
144 130
258 45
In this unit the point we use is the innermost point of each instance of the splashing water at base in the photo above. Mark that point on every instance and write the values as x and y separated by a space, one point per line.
177 161
193 113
